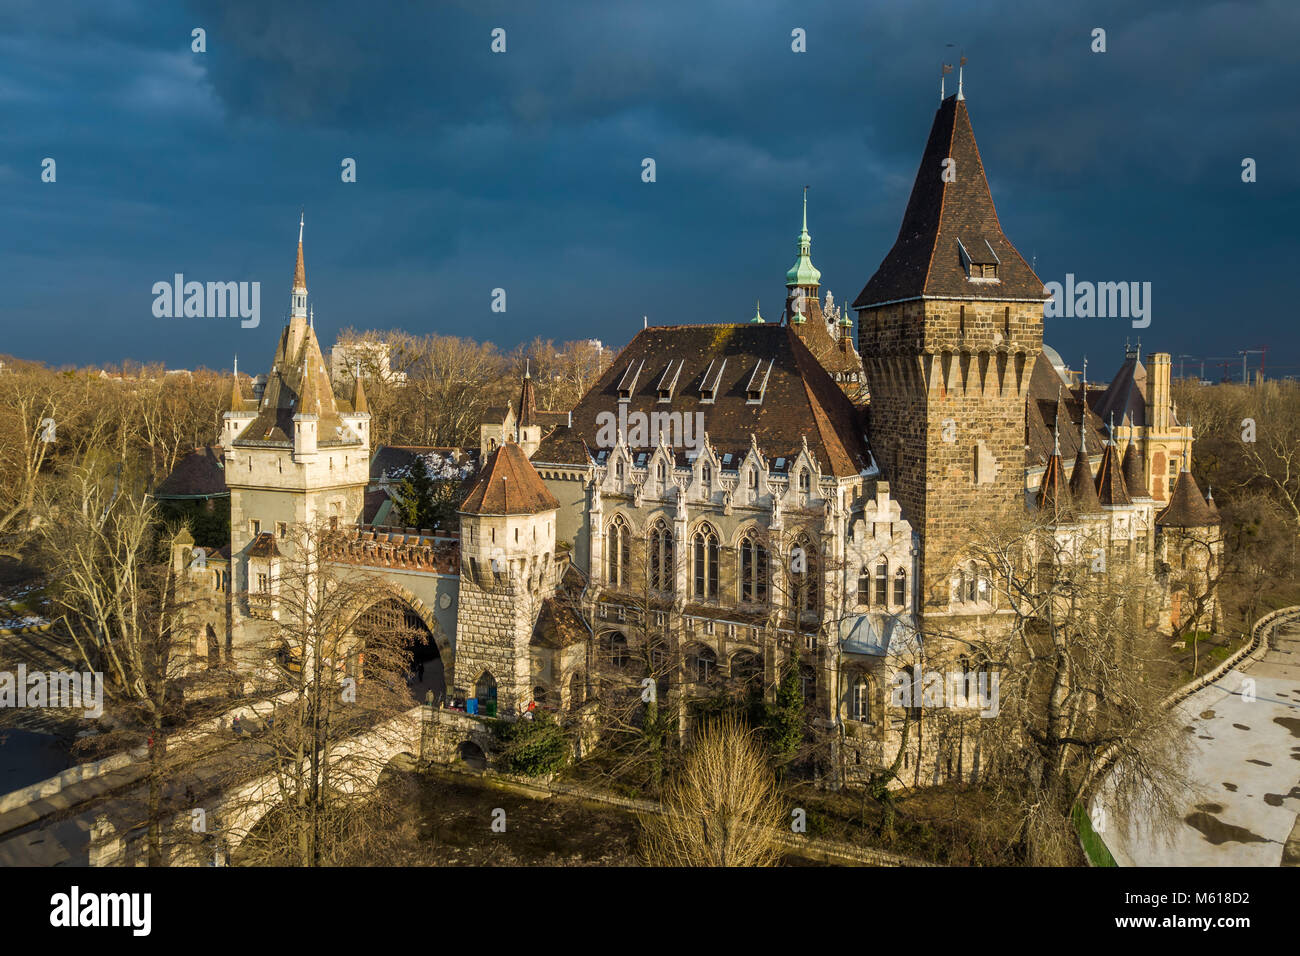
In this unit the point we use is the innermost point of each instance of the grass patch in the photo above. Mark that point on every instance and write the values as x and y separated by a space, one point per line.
1093 845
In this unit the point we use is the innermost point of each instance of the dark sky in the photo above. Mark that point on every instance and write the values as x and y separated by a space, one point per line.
522 170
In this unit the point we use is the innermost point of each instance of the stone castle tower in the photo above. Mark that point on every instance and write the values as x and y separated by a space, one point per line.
949 327
294 457
507 569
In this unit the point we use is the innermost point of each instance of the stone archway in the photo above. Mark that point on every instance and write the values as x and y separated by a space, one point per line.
431 651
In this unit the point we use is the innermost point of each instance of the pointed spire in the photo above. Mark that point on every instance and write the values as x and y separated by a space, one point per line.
942 210
1187 506
527 400
1057 425
1082 488
359 403
1111 488
298 298
961 93
803 272
1053 496
758 315
1134 473
236 403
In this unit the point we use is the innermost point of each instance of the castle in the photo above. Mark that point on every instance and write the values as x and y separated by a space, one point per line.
816 518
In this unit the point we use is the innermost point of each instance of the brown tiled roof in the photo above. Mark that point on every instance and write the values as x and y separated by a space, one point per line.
1083 494
799 397
558 625
527 403
1054 493
1045 388
264 546
1187 507
1209 503
926 257
299 270
1126 396
1111 489
508 485
200 474
298 382
236 403
1135 478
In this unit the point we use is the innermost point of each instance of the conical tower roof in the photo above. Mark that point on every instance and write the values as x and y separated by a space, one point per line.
950 221
1135 479
508 485
359 403
1187 507
1082 489
1111 488
527 401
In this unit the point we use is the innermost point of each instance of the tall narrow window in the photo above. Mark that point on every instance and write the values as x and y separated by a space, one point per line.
661 556
706 481
803 584
864 585
900 587
861 703
618 546
753 570
704 559
882 583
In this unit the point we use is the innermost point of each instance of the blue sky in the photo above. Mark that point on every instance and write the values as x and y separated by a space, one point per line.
522 170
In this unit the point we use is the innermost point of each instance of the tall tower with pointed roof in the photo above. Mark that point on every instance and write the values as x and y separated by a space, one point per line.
949 326
508 569
299 457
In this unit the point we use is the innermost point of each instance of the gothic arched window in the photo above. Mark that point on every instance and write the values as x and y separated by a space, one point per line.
753 570
803 583
900 587
661 556
704 562
882 583
618 544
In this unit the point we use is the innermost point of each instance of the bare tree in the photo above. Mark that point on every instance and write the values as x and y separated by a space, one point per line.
721 807
345 661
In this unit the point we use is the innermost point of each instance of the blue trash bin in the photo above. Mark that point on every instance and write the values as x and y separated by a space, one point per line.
471 706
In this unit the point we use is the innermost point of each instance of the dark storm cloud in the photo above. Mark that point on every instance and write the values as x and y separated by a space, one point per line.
522 170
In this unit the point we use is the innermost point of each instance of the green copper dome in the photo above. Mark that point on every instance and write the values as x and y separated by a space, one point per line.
803 272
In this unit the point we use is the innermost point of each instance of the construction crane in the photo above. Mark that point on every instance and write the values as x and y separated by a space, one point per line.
1261 352
1180 365
1223 361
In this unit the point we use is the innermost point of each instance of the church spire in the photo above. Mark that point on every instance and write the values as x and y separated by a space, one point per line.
803 273
298 308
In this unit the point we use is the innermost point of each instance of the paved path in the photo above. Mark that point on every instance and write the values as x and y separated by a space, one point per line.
1244 807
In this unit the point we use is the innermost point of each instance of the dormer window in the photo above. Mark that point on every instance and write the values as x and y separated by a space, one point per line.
712 378
805 481
627 384
668 381
753 478
758 383
706 481
979 260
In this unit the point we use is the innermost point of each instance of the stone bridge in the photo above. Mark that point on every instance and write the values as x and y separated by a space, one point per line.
418 736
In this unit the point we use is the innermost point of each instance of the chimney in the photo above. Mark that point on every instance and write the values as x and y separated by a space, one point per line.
1160 401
